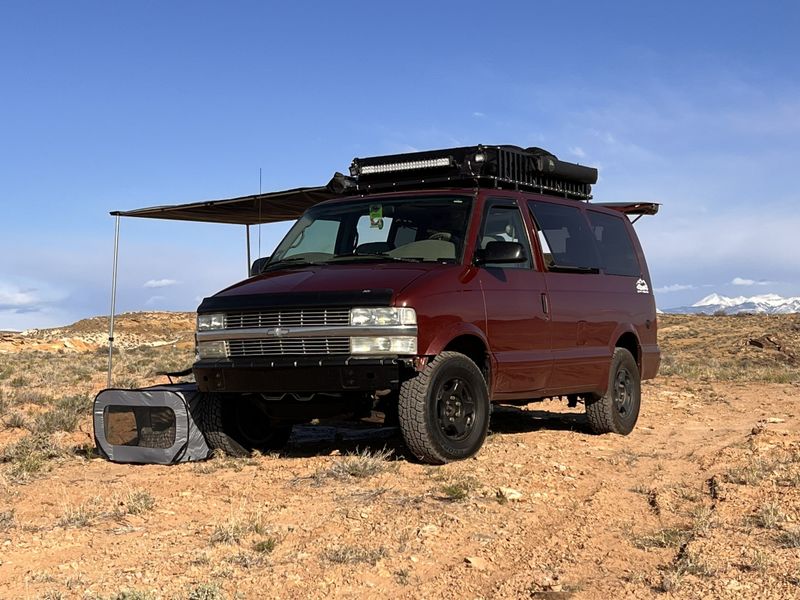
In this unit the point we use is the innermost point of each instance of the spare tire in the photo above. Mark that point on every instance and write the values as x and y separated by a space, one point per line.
237 424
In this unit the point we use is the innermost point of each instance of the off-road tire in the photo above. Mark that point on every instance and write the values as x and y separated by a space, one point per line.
221 433
618 410
419 406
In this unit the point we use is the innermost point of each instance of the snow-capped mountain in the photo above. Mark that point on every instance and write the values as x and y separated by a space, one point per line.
771 304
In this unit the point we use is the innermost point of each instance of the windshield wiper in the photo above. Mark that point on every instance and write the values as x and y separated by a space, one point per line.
373 257
291 261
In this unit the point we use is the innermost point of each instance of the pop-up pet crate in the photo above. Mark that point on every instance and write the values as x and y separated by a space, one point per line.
150 425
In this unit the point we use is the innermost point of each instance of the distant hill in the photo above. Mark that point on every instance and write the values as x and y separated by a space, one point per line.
132 330
770 304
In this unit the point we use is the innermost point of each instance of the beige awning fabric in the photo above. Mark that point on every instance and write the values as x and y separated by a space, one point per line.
271 207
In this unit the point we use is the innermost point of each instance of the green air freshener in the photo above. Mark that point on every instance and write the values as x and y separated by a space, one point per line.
376 216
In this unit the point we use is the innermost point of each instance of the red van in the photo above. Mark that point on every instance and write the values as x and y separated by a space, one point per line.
431 286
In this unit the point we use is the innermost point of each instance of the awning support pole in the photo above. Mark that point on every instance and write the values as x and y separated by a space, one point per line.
113 302
247 228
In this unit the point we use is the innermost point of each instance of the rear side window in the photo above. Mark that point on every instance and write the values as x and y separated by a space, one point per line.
565 236
614 244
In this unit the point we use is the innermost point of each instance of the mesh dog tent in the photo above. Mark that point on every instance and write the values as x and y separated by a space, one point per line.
151 425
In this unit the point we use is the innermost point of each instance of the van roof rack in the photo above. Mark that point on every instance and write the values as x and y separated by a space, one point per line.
505 167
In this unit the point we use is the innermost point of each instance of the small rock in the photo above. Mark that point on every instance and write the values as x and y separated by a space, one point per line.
733 585
476 562
428 530
509 494
776 420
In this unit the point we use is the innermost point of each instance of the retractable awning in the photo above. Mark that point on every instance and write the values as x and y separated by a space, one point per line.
630 208
271 207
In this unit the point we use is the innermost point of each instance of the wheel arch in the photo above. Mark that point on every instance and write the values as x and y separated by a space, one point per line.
468 340
630 342
473 348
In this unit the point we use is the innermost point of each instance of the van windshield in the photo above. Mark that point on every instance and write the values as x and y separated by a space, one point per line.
410 228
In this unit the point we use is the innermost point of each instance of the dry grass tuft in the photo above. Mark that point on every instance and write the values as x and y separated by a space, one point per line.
349 555
29 456
753 472
64 416
359 464
237 527
6 519
458 487
790 538
769 516
81 515
265 546
16 420
135 502
669 537
205 591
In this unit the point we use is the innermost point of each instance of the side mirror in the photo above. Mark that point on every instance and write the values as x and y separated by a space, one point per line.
501 253
258 265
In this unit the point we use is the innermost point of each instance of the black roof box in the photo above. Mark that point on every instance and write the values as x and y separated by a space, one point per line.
507 167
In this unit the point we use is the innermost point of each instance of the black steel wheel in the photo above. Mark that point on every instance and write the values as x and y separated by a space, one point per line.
444 410
618 410
237 424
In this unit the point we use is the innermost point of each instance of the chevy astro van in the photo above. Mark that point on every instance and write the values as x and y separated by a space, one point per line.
431 285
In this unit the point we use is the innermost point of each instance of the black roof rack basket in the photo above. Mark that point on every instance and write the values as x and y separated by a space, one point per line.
508 167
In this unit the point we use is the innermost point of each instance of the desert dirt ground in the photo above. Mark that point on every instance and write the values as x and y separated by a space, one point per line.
702 500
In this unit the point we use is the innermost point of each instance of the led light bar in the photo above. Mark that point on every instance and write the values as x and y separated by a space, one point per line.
411 165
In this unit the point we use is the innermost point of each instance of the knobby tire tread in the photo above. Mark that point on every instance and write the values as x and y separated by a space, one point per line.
412 408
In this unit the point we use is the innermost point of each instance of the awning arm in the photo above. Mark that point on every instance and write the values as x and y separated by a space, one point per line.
630 208
113 301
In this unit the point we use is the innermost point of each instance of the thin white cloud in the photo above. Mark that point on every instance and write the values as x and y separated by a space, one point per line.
578 151
743 281
12 297
674 287
33 296
478 114
154 300
159 283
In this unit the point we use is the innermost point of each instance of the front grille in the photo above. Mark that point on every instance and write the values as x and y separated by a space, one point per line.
285 346
304 317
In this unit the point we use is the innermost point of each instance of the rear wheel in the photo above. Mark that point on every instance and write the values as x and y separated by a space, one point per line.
444 410
618 410
239 424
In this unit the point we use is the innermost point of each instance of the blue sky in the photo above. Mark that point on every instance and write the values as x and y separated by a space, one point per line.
113 105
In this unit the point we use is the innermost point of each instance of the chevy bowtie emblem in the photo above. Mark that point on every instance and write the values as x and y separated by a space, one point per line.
278 332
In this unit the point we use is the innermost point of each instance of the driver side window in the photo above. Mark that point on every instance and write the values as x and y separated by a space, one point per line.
504 223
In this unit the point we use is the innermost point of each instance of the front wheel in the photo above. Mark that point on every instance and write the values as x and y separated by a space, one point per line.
444 410
618 410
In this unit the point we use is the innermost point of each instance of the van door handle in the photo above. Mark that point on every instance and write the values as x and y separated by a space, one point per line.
545 304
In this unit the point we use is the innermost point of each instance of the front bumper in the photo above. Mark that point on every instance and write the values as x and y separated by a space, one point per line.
303 374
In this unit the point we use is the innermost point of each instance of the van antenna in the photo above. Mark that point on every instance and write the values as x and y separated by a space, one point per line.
259 212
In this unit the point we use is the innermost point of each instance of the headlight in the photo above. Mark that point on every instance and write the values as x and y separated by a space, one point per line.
212 350
383 345
372 317
210 321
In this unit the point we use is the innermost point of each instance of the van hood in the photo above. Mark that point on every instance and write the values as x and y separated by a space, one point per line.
323 285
